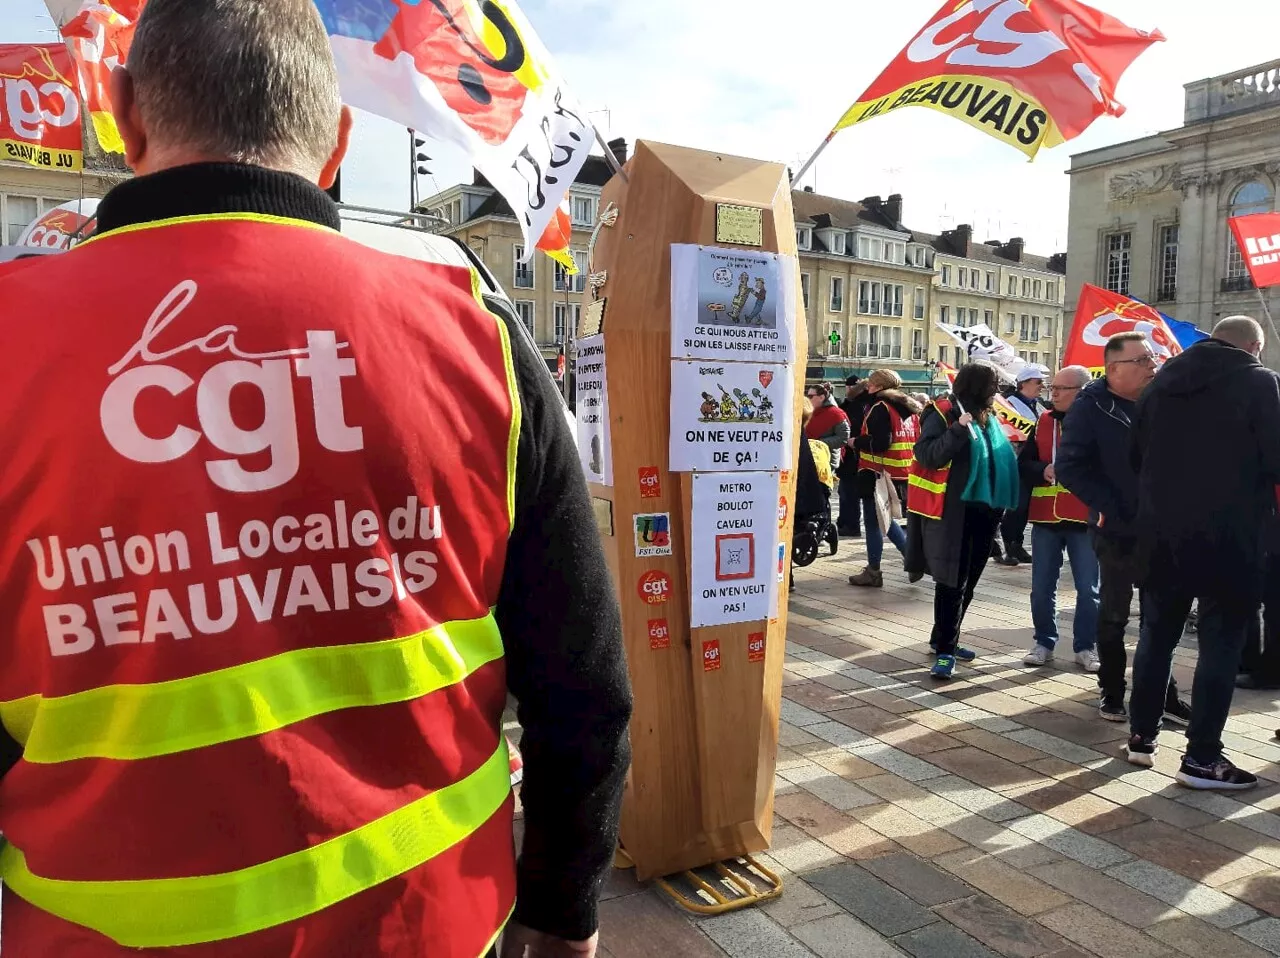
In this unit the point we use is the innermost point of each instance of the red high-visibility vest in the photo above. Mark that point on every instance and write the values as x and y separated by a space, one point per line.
251 560
896 460
927 488
1051 502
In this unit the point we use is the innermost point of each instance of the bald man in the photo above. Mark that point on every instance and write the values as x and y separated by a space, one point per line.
1207 448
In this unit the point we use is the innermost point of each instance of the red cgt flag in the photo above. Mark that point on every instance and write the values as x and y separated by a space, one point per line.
1258 236
1100 314
1032 73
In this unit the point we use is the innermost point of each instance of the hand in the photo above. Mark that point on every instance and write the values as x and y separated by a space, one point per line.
521 942
965 420
1050 475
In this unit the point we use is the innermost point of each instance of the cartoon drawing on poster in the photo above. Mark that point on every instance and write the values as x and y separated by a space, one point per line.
732 304
593 411
730 416
734 537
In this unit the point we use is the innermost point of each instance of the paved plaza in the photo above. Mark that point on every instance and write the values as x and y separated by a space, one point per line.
991 816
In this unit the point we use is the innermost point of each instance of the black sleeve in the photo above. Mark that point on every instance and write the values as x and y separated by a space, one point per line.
1029 464
879 429
567 669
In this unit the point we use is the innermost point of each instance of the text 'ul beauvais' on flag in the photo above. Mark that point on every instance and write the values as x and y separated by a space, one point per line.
1031 73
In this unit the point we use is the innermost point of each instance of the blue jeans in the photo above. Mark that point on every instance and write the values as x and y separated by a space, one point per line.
1048 542
872 536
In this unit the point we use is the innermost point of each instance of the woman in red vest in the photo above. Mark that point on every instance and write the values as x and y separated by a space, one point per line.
829 423
964 477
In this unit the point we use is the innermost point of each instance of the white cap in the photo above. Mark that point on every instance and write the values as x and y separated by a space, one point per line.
1032 371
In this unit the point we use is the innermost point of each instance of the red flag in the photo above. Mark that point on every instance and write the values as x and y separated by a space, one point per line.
1031 73
1100 314
40 113
1258 236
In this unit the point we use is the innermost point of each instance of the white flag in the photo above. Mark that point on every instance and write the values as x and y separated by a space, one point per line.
980 342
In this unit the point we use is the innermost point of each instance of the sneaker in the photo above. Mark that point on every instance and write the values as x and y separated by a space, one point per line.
868 578
1219 776
516 764
1177 712
1112 709
943 666
961 653
1141 750
1088 660
1039 655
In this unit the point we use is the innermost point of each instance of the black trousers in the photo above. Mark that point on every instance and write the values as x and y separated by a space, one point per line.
1261 657
1013 527
950 604
1117 567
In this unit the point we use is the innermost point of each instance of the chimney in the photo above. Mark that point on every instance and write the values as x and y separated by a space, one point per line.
619 149
808 189
964 239
893 209
1013 249
873 203
1058 263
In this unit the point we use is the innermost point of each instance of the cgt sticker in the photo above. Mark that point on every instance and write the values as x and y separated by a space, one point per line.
711 655
654 587
659 634
650 483
783 511
755 647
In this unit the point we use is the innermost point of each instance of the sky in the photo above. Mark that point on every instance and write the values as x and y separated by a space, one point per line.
766 79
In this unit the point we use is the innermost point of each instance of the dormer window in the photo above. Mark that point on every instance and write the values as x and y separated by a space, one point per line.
837 243
804 237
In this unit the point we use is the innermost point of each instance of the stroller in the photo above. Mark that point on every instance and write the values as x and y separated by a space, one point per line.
813 526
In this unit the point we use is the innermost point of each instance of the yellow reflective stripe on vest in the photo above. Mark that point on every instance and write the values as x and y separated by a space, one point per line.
1040 491
167 912
922 483
142 721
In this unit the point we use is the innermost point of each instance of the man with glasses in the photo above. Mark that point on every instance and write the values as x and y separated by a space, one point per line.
1059 523
1095 464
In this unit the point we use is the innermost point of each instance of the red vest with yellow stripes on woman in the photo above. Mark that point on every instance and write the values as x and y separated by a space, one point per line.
253 523
1051 502
895 461
927 488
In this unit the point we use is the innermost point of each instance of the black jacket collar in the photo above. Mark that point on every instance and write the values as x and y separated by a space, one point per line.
205 188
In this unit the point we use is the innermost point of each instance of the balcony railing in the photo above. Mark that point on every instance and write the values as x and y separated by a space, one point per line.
1249 89
1237 284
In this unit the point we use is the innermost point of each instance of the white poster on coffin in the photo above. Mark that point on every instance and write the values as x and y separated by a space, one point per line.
732 304
592 410
729 416
735 547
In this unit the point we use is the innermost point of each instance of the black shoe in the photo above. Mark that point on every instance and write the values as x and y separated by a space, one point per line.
1177 712
1141 750
1247 680
915 577
1008 559
1112 709
833 539
1219 776
996 553
1019 553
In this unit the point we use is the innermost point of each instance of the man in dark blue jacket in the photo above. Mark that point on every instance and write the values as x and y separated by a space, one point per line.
1095 464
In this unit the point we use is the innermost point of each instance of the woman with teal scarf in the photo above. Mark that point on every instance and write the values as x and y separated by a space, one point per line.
961 432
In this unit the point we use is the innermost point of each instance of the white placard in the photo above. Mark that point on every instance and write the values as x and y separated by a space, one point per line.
732 304
735 547
592 409
730 416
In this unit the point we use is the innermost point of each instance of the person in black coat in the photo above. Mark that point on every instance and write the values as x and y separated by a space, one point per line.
855 405
1260 663
1207 450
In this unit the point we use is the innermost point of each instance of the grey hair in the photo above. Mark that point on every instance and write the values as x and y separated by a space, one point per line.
1241 331
247 81
1079 373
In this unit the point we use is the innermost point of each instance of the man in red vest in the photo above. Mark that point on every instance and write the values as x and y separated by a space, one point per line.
283 519
1059 523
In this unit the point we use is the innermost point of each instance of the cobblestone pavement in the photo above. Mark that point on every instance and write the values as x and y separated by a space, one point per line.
992 816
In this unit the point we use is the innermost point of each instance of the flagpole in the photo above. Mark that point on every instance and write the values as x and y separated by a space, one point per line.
813 159
1266 311
610 157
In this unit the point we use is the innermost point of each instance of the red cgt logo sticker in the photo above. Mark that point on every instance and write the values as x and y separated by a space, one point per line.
711 655
650 483
659 634
766 377
755 647
654 587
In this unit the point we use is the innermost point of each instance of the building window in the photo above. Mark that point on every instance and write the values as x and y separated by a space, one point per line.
895 341
1024 329
917 345
1051 292
1035 330
1050 325
893 296
973 317
804 288
524 309
860 344
1253 197
991 282
864 296
1026 288
836 303
873 342
566 315
1013 286
837 243
896 253
946 275
833 339
524 271
963 277
564 283
1167 287
1033 357
1037 289
918 304
1010 323
875 299
1022 354
804 237
19 212
942 354
1119 262
944 314
584 210
988 317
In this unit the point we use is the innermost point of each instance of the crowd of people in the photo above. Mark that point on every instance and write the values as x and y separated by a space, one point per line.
1113 476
